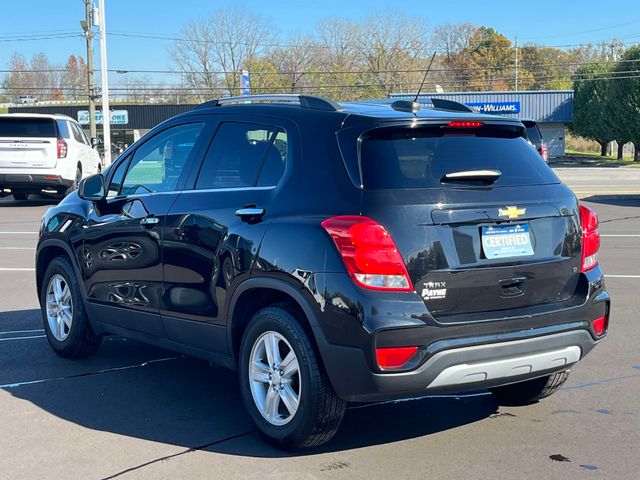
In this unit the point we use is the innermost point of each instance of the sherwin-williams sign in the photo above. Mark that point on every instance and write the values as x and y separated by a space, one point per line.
495 107
116 117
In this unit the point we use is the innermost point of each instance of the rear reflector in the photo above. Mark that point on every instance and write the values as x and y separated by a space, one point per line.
590 238
599 325
394 357
467 124
51 177
544 151
369 253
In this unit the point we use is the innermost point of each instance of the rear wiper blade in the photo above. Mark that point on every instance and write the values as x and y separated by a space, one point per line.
483 176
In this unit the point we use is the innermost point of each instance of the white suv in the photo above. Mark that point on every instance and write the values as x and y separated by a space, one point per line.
43 153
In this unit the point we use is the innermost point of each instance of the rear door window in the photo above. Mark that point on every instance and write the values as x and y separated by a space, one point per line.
401 157
244 155
77 133
533 132
27 127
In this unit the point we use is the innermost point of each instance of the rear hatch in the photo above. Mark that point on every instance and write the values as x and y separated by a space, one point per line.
485 228
28 142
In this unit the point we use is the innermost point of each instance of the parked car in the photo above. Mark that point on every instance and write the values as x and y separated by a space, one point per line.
331 253
535 137
27 99
43 152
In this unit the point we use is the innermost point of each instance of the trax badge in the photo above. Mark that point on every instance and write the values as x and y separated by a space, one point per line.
511 212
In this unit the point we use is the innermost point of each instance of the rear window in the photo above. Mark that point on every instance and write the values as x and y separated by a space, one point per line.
533 132
27 127
401 157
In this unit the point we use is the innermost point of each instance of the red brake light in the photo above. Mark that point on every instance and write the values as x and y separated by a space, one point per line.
369 253
590 238
599 325
62 148
544 151
394 357
465 124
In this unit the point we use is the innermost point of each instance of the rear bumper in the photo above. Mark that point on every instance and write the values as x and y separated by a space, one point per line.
28 182
459 357
457 370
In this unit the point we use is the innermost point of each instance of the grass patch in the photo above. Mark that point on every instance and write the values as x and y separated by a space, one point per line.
4 110
596 156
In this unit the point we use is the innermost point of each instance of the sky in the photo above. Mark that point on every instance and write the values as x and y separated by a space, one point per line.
550 22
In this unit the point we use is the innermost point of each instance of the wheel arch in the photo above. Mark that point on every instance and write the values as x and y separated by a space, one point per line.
47 251
257 293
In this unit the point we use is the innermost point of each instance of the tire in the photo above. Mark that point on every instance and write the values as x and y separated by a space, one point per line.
525 393
319 411
74 337
76 181
21 197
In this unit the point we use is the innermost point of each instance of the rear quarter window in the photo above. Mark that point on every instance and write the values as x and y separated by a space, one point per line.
402 157
27 127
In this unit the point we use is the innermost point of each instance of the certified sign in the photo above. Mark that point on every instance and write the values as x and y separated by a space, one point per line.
495 107
116 117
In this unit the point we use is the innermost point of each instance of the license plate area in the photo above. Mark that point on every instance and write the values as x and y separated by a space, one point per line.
506 241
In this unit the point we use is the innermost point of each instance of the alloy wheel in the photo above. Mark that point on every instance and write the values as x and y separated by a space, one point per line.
59 307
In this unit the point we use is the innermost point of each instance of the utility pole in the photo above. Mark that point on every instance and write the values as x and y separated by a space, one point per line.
88 35
516 46
106 116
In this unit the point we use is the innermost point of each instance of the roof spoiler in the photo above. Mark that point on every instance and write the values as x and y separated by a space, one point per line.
438 103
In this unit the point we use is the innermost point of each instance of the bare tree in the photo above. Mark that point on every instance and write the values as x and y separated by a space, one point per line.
227 41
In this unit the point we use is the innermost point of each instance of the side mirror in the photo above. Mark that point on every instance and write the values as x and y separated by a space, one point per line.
95 142
92 188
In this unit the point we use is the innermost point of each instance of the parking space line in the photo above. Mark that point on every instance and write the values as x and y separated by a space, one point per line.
622 276
17 269
21 331
18 233
606 235
21 338
17 248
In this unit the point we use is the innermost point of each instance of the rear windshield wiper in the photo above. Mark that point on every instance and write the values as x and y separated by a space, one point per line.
472 176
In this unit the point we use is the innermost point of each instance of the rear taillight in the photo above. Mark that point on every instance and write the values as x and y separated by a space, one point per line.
590 238
394 357
544 151
369 253
62 148
465 124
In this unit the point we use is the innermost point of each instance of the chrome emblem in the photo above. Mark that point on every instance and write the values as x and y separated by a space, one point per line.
511 212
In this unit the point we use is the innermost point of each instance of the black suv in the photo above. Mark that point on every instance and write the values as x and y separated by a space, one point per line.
331 253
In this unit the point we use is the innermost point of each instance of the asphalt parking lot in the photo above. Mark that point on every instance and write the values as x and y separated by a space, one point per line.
134 411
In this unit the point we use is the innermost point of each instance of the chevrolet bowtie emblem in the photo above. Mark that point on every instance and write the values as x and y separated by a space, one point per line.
511 212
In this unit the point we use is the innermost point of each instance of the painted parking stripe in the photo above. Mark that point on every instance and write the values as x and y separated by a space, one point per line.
622 276
21 338
17 248
607 235
17 269
18 233
11 332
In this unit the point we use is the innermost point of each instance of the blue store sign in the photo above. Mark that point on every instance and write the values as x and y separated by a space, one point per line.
499 108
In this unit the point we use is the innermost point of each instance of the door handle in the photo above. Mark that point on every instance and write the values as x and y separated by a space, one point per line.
150 221
251 212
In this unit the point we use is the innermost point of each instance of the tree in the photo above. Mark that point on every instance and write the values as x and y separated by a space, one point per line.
625 93
74 77
591 105
215 49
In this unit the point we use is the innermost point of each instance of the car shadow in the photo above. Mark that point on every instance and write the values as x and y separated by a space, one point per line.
615 200
132 389
39 200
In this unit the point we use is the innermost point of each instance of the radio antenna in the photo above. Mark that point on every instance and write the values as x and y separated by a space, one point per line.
425 77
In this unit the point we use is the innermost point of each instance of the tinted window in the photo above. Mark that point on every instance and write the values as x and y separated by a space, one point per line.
77 134
116 180
533 132
419 158
244 155
27 127
158 163
63 128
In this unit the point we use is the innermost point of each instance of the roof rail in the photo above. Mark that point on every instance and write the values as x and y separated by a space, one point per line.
305 101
